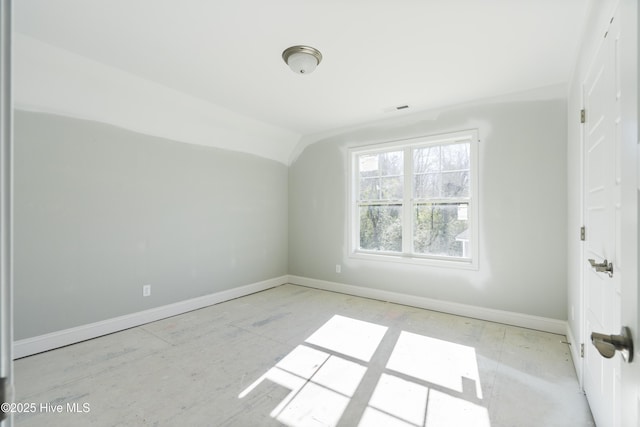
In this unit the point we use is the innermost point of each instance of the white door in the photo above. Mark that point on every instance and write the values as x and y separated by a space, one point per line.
630 164
6 172
602 290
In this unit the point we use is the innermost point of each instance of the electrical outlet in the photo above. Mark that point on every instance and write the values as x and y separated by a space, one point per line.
338 268
146 290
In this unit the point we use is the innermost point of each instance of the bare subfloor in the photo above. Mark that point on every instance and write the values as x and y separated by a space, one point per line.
303 357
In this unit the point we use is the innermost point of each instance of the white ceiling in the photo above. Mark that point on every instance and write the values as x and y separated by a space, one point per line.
377 53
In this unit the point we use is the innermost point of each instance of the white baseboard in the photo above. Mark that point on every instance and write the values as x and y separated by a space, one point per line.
29 346
507 317
574 347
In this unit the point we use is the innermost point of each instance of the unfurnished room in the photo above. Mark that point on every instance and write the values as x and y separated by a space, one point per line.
319 213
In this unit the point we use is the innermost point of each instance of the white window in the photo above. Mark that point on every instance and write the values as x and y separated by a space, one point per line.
416 200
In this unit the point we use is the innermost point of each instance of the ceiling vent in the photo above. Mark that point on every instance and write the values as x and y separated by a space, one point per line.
395 108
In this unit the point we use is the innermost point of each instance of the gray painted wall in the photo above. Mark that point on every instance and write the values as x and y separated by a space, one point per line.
101 211
523 210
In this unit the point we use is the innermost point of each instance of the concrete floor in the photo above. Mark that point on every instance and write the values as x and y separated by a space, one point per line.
304 357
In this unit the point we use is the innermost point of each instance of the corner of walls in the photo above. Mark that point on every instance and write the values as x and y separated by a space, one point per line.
52 80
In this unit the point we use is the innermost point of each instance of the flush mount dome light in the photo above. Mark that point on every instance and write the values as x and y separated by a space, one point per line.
302 59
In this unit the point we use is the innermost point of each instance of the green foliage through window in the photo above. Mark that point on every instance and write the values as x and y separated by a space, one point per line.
437 196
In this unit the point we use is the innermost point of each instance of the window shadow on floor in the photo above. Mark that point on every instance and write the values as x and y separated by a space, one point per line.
353 369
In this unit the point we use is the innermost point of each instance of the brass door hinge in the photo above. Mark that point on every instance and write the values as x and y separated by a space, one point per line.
583 116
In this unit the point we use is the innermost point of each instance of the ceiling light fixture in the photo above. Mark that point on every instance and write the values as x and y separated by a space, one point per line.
302 59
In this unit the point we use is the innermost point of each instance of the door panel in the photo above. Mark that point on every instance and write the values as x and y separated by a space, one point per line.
601 376
603 213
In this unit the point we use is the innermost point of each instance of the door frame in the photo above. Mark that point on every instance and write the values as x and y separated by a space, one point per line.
630 198
6 203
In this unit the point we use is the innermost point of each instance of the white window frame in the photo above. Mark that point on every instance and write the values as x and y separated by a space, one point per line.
407 255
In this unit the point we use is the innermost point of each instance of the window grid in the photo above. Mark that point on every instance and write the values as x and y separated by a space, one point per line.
410 204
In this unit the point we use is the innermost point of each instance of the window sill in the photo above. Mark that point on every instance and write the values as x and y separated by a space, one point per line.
455 263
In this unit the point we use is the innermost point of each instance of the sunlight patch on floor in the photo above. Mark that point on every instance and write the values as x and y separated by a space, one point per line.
350 337
425 382
435 361
445 410
321 386
400 398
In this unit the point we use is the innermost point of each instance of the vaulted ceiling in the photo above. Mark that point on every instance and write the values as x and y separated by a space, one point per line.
378 54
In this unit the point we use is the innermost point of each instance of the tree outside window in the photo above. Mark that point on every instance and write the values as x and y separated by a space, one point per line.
430 214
